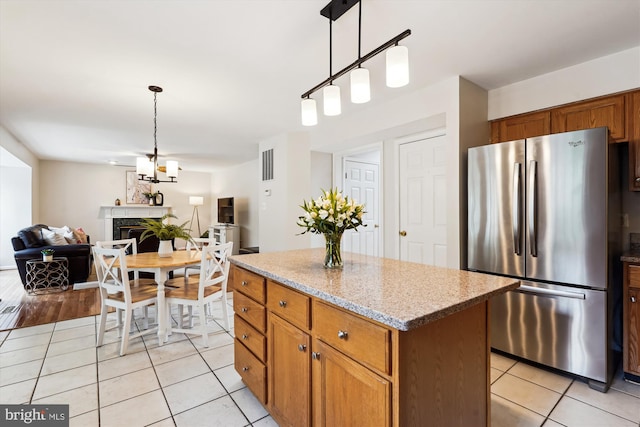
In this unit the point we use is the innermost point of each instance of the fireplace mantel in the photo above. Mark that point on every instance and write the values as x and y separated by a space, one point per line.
108 213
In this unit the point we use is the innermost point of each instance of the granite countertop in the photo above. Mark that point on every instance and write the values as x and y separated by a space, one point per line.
399 294
631 256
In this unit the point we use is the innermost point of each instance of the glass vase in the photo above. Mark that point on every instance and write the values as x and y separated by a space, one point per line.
332 257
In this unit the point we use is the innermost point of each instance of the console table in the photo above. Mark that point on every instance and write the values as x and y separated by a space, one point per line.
44 276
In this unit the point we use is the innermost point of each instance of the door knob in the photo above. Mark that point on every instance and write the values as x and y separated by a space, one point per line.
376 226
403 233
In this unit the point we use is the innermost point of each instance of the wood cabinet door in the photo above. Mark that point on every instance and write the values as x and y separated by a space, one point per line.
346 393
520 127
609 111
289 373
633 332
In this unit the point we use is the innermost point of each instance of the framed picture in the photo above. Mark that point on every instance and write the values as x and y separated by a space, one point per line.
136 189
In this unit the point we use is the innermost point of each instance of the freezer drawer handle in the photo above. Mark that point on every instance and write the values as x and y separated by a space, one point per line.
516 209
549 292
533 208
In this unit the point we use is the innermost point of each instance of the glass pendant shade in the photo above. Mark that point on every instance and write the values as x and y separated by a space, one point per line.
144 166
172 169
360 89
309 112
331 98
397 66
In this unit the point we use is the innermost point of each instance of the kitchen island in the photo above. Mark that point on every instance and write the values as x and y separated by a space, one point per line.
379 342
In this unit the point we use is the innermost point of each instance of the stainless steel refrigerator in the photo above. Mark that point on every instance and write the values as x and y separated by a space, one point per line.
547 210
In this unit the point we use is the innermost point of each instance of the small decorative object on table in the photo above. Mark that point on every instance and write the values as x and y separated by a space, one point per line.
165 232
331 214
47 255
151 197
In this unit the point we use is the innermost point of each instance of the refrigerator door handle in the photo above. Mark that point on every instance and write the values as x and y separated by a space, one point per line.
549 292
533 208
515 220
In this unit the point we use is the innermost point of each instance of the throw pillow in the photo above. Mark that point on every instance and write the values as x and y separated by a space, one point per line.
80 235
32 236
52 238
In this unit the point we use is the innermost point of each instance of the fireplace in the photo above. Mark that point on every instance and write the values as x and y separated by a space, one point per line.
119 219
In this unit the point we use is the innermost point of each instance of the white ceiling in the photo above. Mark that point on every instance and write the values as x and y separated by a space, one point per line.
74 74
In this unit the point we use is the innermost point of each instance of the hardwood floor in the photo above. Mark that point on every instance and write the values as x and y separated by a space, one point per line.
19 309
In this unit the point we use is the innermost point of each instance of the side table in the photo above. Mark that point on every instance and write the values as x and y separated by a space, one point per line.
44 276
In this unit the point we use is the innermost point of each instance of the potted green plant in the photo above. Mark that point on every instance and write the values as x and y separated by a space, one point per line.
165 232
151 197
47 254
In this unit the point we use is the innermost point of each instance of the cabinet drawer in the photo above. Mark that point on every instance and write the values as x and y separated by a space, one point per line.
251 311
250 284
634 276
360 339
252 371
289 304
252 339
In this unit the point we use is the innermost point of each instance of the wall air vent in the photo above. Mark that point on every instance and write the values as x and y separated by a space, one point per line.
267 165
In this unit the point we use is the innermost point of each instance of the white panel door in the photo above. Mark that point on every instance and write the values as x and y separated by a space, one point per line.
423 201
362 184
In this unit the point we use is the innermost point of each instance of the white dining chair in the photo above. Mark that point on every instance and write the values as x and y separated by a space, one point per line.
199 290
116 291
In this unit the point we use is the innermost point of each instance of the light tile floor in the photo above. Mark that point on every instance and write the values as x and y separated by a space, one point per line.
184 384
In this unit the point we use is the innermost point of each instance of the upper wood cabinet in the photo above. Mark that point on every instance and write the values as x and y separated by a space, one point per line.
619 112
520 127
609 111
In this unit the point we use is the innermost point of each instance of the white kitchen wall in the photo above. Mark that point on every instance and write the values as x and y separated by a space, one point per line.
321 172
241 183
72 193
602 76
279 198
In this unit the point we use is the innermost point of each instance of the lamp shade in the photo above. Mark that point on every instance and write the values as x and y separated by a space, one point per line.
331 98
397 66
309 112
196 200
360 89
144 166
172 169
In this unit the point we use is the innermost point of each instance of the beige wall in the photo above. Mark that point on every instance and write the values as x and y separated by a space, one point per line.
72 193
241 183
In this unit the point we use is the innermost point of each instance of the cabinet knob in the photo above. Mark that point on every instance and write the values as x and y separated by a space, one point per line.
302 347
633 299
315 355
245 369
343 335
245 336
244 283
282 304
244 309
638 179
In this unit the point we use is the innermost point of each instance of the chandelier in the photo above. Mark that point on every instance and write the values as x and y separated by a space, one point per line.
397 62
147 167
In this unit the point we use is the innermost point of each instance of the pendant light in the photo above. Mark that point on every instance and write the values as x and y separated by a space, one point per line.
360 88
309 112
397 68
147 167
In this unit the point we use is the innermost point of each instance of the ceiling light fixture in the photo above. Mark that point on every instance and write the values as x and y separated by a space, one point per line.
397 63
147 167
